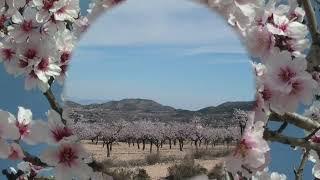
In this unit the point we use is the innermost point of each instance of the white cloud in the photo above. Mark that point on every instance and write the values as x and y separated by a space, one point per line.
215 49
146 22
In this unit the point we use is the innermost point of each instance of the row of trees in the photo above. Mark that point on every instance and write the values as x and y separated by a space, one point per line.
158 133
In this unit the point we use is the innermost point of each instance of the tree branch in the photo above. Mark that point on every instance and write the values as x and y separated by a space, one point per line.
34 160
294 142
282 127
295 119
299 172
53 102
311 20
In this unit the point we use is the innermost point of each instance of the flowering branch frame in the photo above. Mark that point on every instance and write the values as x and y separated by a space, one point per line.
274 33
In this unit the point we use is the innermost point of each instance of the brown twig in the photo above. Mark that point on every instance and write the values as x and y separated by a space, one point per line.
311 20
312 134
282 127
294 142
295 119
33 160
299 172
53 102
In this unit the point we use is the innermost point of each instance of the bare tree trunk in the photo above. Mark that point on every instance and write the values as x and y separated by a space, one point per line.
170 143
158 146
143 145
180 145
138 144
151 147
196 144
97 140
108 150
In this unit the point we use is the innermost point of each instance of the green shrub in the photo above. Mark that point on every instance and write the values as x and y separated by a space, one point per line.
152 159
186 169
217 172
209 154
108 163
141 174
121 174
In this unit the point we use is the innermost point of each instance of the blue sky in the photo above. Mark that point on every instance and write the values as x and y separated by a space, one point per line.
173 51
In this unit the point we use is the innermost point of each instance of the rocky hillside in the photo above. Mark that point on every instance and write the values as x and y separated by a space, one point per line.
139 109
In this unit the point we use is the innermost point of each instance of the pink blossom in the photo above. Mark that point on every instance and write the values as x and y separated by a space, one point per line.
66 10
15 152
259 41
31 132
25 26
45 8
68 160
58 131
289 78
8 56
251 151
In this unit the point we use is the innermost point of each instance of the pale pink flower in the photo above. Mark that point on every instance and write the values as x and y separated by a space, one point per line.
4 149
58 131
281 25
252 149
239 13
296 13
8 129
266 175
29 169
2 4
9 57
81 25
316 169
29 55
25 26
45 7
68 160
31 132
289 77
65 42
32 82
15 152
66 10
259 41
46 69
53 26
14 6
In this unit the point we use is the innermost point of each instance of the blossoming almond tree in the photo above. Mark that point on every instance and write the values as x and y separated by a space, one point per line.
38 36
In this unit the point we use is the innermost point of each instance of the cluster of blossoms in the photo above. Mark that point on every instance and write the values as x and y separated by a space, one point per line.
63 152
276 37
38 36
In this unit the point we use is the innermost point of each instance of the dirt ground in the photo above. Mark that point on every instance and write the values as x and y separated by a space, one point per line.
122 152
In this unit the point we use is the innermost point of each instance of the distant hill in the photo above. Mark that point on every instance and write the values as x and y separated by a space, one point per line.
86 101
139 109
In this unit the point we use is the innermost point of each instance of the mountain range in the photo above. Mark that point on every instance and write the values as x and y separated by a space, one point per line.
144 109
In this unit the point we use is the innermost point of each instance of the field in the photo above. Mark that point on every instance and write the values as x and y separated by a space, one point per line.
156 165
